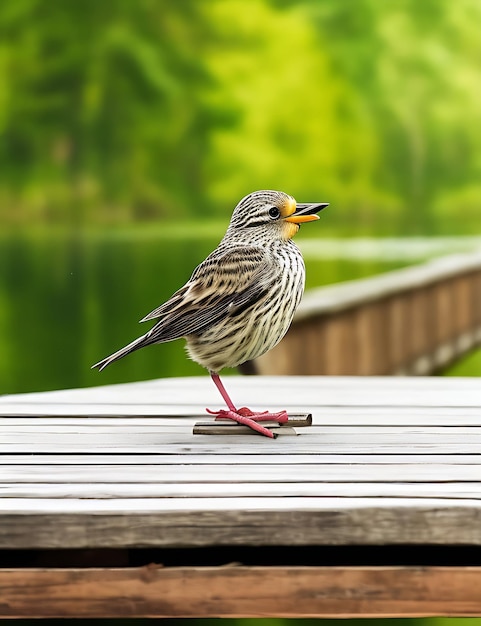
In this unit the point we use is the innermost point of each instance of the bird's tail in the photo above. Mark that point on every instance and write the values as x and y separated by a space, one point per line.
140 342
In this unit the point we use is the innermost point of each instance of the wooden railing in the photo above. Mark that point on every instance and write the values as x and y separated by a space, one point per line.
411 321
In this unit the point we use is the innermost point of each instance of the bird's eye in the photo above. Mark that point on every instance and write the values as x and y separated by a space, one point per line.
274 212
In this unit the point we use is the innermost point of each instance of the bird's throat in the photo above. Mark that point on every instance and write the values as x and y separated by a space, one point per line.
290 229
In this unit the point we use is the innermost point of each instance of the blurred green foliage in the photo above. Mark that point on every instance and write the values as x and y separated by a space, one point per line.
135 110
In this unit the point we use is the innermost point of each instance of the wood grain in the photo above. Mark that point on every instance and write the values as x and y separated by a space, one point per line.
193 522
119 490
249 458
238 591
231 473
244 444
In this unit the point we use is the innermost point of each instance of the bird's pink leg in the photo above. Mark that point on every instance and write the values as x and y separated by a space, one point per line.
223 391
245 415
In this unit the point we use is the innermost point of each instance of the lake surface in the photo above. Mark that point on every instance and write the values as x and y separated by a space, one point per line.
70 298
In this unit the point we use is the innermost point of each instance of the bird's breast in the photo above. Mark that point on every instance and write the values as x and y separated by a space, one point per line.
236 339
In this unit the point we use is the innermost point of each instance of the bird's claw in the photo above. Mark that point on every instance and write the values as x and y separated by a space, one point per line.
251 421
257 416
264 416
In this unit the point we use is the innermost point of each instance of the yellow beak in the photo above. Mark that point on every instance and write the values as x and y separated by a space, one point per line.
300 219
306 212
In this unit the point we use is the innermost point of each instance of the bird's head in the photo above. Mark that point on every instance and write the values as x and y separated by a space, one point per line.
275 212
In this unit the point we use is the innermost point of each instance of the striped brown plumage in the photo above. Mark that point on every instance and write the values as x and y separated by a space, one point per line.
240 301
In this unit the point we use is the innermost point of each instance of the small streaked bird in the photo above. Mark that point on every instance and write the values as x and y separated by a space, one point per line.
240 301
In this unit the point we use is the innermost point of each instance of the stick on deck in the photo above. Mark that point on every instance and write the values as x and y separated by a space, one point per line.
229 427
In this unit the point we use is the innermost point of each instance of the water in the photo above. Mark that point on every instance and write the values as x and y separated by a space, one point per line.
69 299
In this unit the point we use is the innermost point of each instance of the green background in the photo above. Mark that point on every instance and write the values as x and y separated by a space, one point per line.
130 129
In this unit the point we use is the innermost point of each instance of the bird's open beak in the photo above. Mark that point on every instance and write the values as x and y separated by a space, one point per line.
306 212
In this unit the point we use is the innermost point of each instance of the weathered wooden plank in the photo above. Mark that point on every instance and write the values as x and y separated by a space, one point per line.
189 522
239 459
323 401
55 507
326 416
119 490
38 428
311 439
240 591
231 473
86 504
375 433
295 392
243 444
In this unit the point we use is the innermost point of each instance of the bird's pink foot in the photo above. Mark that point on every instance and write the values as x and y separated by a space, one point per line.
264 416
251 418
244 415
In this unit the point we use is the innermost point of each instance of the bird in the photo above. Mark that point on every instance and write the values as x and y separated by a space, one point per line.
240 301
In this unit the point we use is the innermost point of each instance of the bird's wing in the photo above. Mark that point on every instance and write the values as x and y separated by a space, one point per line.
223 285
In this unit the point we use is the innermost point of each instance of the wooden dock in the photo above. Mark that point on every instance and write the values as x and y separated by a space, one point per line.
111 507
415 321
